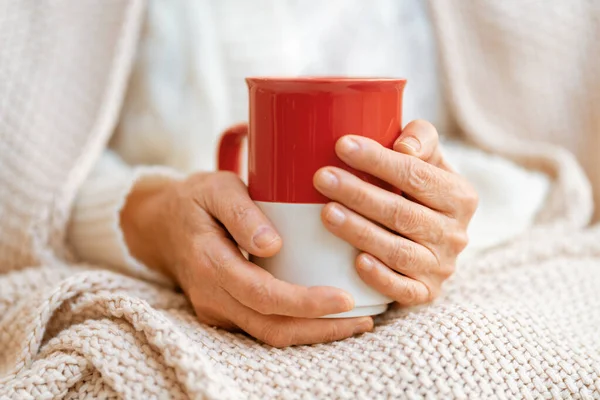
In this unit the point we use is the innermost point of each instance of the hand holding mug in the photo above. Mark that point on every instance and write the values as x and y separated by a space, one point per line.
191 231
409 244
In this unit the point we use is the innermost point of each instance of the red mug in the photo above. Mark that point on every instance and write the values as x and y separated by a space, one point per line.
294 124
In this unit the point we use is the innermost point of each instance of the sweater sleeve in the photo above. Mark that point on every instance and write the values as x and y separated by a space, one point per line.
95 233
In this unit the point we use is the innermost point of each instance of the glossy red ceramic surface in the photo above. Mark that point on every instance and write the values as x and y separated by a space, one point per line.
294 124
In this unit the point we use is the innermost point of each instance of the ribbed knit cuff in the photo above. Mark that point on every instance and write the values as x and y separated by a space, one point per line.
95 233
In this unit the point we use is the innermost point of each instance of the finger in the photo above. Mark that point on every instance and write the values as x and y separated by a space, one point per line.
402 289
280 331
229 202
399 214
429 185
398 253
259 290
420 139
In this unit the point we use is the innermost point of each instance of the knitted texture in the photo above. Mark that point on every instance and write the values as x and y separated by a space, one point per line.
520 321
63 70
521 78
514 324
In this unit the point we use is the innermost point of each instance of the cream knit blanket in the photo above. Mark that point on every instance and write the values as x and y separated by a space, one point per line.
520 321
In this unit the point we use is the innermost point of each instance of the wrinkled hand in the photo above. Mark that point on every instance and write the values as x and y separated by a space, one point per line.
191 230
426 228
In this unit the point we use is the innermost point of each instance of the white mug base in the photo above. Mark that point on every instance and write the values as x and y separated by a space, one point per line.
360 312
313 256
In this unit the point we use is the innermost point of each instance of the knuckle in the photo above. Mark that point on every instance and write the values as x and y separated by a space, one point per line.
436 232
469 199
447 271
472 201
223 263
400 254
417 177
226 176
332 333
409 293
458 241
422 226
388 284
402 166
215 181
262 298
312 306
273 335
330 215
359 198
221 180
395 213
199 256
364 234
194 180
414 220
240 213
430 264
198 178
379 159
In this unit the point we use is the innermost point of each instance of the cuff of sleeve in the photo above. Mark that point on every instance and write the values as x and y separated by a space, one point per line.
95 231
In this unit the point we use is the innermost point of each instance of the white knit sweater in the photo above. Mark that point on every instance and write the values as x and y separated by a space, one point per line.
188 85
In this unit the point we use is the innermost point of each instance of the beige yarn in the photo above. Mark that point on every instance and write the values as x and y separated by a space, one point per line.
521 321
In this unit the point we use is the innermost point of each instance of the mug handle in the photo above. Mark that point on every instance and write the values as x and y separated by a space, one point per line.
230 148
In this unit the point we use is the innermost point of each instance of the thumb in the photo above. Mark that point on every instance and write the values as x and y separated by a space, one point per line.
228 201
420 139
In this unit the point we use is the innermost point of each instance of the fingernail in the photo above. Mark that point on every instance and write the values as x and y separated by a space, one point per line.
327 179
364 326
349 145
412 143
264 237
335 216
366 263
